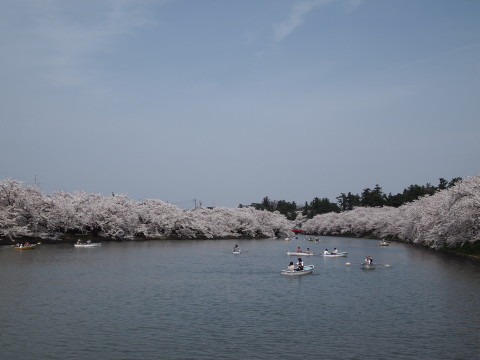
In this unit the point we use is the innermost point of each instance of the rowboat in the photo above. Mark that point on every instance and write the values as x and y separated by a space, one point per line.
302 253
26 247
307 269
339 254
383 243
87 245
236 251
366 266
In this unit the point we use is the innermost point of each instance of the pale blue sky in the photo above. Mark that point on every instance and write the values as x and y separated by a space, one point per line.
229 101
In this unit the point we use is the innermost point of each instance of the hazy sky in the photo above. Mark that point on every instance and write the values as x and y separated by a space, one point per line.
229 101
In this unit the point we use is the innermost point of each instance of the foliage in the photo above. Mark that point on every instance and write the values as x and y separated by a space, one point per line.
448 218
319 206
368 198
26 212
348 202
291 210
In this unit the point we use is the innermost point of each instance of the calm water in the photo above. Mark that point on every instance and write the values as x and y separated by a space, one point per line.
196 300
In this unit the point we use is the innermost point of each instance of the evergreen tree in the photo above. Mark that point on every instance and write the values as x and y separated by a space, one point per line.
287 208
442 184
348 202
373 197
320 206
395 200
454 181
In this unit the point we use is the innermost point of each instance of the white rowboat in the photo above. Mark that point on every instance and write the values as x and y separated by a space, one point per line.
87 245
366 266
340 254
299 253
307 269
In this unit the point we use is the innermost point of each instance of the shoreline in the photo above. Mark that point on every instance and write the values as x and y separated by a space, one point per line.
71 239
469 252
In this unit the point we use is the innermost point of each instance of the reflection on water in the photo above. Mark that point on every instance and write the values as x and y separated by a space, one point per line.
196 300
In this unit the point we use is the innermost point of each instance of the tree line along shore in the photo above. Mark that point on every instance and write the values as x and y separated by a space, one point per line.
368 198
446 218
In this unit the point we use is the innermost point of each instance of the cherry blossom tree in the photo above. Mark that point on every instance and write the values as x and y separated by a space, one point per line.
26 212
450 217
22 209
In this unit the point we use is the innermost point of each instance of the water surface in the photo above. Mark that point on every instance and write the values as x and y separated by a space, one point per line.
197 300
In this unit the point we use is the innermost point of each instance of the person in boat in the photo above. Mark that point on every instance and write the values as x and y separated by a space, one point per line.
335 251
369 260
326 252
300 264
298 249
291 267
236 248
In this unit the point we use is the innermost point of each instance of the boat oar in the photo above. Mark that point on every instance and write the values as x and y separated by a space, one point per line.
352 263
